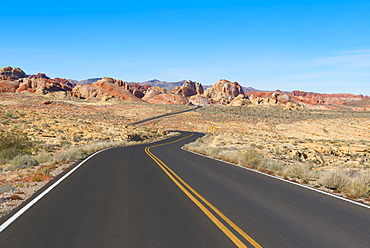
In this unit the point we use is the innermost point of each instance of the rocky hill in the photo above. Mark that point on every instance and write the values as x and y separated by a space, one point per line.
223 92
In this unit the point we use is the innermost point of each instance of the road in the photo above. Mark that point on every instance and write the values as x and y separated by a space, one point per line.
163 196
164 115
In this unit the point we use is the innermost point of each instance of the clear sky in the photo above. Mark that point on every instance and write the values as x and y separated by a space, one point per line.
320 46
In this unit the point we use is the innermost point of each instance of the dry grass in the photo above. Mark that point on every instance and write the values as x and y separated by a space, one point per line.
355 183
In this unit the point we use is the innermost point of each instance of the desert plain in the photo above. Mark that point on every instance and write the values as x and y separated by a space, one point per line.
327 148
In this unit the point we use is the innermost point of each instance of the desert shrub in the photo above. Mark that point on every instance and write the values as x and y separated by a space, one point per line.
43 157
297 170
13 140
360 184
250 158
228 155
22 161
71 154
273 165
334 179
8 154
214 151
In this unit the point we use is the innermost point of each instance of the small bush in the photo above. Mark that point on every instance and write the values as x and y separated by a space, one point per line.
360 185
37 178
43 157
297 170
251 158
71 154
22 161
13 140
8 154
334 179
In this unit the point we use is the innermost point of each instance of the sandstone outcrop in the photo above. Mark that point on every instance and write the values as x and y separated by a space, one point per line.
272 98
41 84
168 99
240 100
158 95
319 99
8 86
12 73
188 89
105 87
223 91
198 100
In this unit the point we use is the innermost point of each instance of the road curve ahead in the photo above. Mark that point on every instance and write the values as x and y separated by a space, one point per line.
158 195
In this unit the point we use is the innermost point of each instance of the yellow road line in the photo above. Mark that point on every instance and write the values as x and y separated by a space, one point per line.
176 179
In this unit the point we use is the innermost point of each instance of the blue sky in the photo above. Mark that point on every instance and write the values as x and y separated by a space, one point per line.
320 46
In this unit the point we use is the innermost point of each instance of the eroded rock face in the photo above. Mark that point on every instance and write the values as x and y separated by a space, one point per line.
188 89
232 89
8 86
168 99
223 91
104 88
271 98
240 100
12 73
153 92
198 100
158 95
319 99
41 84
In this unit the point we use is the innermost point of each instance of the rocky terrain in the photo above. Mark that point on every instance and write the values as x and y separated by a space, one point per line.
223 92
48 124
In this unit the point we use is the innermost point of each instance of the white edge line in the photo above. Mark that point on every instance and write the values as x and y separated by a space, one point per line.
31 203
282 179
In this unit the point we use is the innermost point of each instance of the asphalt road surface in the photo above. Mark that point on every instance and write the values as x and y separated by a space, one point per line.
163 196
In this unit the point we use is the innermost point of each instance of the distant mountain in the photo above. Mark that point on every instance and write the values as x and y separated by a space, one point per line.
163 84
249 89
86 81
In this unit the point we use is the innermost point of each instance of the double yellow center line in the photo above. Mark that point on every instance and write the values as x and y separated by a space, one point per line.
202 202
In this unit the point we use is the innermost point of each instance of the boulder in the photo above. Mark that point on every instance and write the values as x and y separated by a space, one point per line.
153 92
198 100
240 100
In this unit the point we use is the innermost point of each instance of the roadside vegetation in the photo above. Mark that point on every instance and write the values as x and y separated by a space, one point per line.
352 183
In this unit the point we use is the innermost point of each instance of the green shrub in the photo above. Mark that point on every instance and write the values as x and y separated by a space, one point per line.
22 161
16 140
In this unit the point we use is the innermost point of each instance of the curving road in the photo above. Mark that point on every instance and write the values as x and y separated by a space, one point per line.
158 195
164 115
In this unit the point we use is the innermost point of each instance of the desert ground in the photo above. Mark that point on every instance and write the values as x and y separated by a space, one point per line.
303 145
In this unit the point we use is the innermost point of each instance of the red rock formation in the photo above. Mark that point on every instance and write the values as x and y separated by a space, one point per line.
12 73
140 87
189 88
319 99
168 99
8 86
39 75
104 88
232 89
223 91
